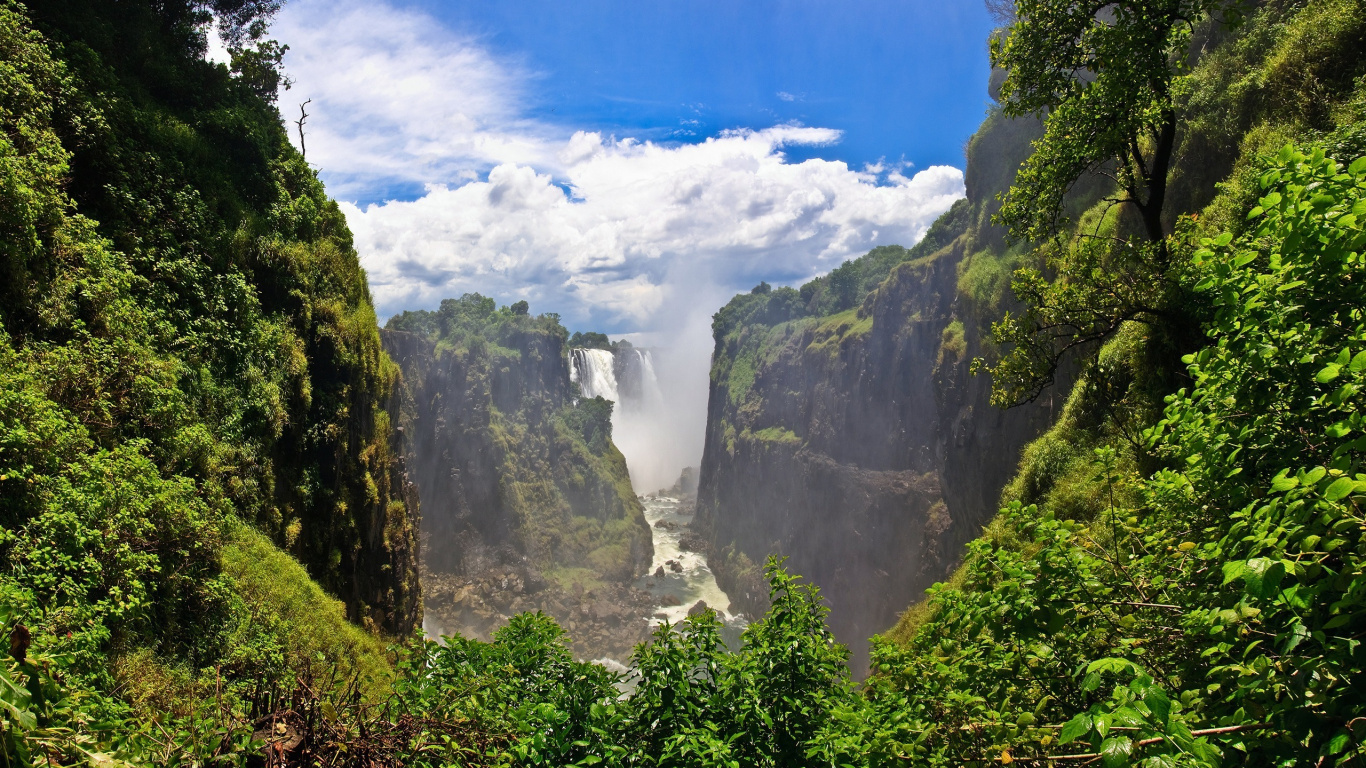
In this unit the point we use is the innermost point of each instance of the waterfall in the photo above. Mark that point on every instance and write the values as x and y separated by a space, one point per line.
636 379
626 376
594 371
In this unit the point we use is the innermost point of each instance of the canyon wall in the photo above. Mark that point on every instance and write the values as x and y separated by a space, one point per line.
525 500
853 439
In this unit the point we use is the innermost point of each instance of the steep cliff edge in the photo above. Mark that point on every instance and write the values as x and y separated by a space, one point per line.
519 480
844 429
198 487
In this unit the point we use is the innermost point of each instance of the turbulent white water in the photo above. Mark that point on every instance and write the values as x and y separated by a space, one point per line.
695 582
593 370
627 378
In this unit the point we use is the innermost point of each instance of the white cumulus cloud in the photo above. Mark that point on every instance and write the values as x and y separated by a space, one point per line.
632 227
613 233
605 230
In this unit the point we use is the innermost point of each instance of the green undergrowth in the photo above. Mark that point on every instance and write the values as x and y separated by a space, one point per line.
281 601
1215 596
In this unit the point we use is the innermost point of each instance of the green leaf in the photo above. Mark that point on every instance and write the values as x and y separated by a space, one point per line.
1281 482
16 699
1262 577
1339 742
1340 429
1234 569
1358 166
1075 728
1328 373
1112 665
1159 704
1339 488
1115 751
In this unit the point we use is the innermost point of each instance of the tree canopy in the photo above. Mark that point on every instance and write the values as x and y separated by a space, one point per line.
1100 74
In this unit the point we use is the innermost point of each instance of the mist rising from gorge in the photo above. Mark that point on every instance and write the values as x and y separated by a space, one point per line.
660 440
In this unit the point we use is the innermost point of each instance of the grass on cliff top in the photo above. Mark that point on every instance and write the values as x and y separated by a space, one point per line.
834 332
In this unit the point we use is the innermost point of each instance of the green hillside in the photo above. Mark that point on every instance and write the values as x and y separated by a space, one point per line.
194 447
203 534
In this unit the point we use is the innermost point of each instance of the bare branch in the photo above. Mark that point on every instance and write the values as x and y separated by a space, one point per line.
303 118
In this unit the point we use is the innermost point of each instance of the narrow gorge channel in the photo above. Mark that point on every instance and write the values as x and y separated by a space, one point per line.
679 581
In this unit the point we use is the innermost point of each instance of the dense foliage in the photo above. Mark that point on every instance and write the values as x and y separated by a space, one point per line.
1216 606
522 700
191 387
186 345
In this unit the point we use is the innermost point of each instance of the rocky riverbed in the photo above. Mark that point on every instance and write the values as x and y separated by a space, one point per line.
604 622
607 621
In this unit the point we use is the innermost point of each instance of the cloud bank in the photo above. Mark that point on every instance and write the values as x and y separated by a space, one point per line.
613 233
632 228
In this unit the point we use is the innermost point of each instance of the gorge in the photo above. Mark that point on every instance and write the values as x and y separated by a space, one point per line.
511 440
1076 477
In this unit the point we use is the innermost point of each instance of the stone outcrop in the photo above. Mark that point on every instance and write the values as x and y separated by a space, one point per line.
509 487
858 444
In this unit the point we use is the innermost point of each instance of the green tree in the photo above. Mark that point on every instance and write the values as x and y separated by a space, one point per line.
1100 75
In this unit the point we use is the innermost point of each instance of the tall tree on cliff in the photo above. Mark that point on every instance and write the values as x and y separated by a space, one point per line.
1100 75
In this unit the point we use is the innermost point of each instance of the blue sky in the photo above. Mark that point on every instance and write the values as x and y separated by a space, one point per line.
630 165
903 79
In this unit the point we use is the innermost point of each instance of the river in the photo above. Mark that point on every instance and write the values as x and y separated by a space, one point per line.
692 581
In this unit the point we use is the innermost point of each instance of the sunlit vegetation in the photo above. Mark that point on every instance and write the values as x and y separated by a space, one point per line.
195 458
189 371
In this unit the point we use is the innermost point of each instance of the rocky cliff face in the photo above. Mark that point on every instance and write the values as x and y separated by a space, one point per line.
857 443
517 480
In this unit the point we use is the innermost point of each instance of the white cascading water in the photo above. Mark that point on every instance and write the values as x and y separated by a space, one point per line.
627 378
592 370
650 396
